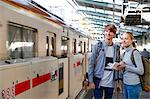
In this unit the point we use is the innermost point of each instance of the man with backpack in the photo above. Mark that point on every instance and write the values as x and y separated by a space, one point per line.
103 58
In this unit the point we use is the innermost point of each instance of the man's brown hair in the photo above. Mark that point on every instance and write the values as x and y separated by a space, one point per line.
111 27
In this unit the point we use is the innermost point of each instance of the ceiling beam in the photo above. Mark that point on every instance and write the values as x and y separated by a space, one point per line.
99 24
141 1
103 19
100 5
100 14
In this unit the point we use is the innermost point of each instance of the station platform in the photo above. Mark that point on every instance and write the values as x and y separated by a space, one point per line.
89 95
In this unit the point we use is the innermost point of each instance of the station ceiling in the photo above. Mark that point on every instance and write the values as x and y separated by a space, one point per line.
99 13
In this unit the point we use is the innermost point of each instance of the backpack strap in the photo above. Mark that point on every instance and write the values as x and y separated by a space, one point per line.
132 57
118 54
99 48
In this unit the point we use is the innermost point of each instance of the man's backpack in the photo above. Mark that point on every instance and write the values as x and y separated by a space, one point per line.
100 47
145 78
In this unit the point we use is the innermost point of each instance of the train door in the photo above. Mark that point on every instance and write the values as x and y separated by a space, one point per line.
51 44
64 46
47 45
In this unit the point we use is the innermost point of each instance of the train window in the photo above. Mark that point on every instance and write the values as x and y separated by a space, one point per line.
52 46
47 45
80 47
74 46
28 49
64 46
13 40
84 47
87 47
91 47
22 41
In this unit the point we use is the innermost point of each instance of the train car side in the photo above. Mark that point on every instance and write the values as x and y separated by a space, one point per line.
40 57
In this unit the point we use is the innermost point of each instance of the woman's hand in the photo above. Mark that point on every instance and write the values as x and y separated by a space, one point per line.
121 65
115 67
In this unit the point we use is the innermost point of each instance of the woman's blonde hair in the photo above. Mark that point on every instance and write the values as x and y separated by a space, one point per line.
132 38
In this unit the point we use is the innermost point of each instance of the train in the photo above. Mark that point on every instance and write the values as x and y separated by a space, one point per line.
41 57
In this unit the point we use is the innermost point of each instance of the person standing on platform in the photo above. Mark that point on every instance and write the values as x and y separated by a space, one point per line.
103 57
145 53
131 79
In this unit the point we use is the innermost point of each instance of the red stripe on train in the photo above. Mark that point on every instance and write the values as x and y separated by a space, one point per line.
41 79
21 87
78 63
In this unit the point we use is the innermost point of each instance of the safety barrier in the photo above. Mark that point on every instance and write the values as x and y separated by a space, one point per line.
42 78
75 74
44 74
35 79
15 81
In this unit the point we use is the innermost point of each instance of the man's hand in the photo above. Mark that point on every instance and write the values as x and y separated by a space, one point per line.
92 85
